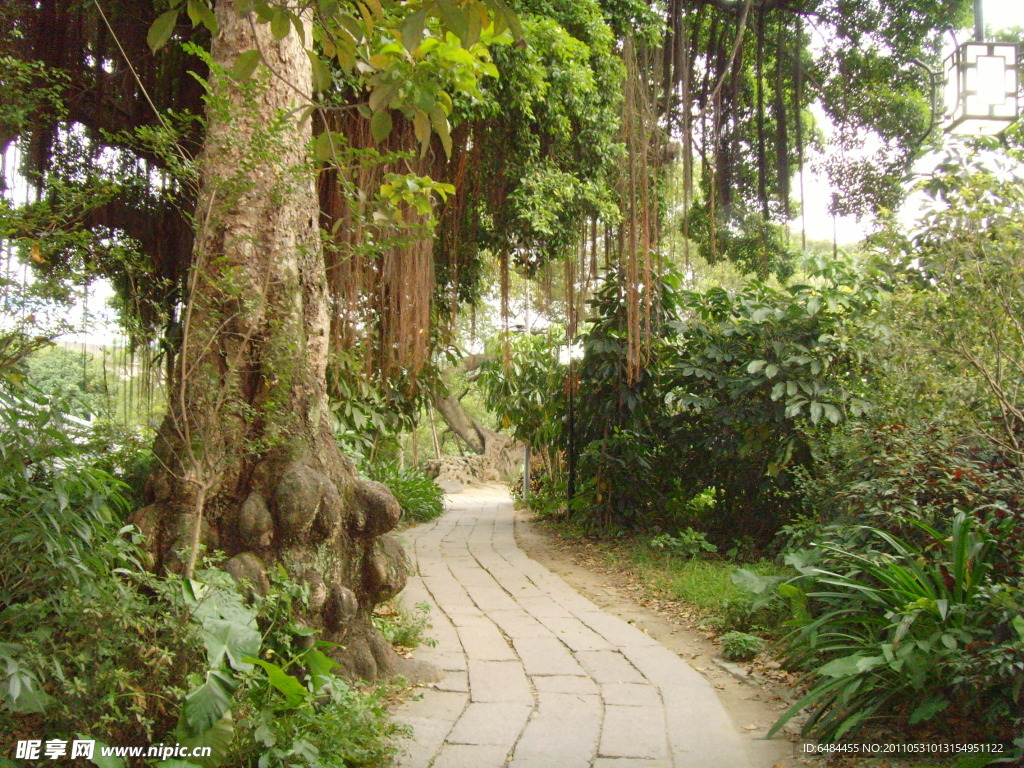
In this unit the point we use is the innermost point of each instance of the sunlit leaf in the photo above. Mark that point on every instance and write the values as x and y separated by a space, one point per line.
245 64
412 29
162 29
380 125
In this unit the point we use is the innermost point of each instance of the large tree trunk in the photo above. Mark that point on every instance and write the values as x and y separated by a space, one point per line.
497 456
248 463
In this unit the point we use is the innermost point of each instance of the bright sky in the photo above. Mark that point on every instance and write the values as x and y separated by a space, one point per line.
998 14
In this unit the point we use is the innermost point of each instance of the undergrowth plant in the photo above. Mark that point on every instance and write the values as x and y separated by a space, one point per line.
909 630
420 498
94 646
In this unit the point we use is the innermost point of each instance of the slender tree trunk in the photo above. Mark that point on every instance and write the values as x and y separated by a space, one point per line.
248 463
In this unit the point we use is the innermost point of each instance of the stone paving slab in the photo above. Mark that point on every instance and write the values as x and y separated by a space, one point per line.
537 676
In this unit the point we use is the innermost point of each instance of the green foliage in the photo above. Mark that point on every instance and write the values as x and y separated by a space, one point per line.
93 652
687 543
620 422
756 373
909 629
964 277
740 646
526 393
401 627
420 498
60 509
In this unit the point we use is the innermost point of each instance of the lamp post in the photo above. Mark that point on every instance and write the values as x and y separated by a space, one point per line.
982 84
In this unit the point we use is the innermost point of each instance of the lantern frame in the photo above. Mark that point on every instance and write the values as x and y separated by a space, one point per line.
983 83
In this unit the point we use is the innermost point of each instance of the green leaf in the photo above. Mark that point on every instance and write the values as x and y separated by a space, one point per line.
101 760
832 413
756 365
280 24
454 19
816 411
1018 624
412 29
380 125
201 13
382 95
321 72
421 127
294 692
162 29
475 26
753 583
439 121
208 703
230 638
323 149
850 665
510 19
245 64
320 666
218 739
928 709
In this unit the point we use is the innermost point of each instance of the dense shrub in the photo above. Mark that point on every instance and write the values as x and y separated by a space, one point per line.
910 631
420 498
96 645
99 645
59 508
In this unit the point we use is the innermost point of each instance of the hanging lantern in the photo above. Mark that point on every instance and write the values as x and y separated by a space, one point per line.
982 88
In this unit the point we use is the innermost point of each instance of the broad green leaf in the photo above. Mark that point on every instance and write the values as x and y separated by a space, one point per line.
439 121
475 23
245 64
751 582
816 411
508 17
791 592
232 639
217 738
162 29
421 127
280 24
849 665
323 148
832 413
99 759
412 29
380 125
201 13
293 691
25 699
321 72
454 19
382 95
208 703
1018 624
320 666
756 365
928 709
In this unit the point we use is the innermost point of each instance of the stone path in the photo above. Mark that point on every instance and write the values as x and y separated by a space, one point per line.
537 676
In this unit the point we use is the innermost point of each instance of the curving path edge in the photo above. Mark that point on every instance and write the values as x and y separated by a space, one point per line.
534 674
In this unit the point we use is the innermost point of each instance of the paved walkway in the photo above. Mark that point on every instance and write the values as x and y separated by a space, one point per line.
537 676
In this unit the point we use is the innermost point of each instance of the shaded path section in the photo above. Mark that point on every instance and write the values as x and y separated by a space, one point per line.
537 676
